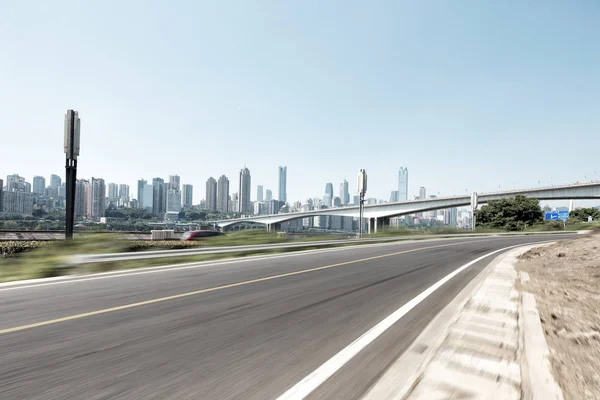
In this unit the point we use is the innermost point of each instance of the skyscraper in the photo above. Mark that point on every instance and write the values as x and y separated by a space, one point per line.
283 184
328 194
17 202
274 206
15 183
173 200
422 193
403 184
124 191
175 182
394 196
1 190
245 205
223 194
80 197
87 198
234 204
344 194
140 192
27 187
337 202
148 197
327 200
211 194
259 193
98 197
188 196
268 195
55 181
39 184
159 200
113 192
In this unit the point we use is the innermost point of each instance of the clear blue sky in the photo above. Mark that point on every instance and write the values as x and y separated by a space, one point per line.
468 94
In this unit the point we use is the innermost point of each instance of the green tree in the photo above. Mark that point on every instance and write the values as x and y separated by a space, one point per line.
512 214
195 215
582 214
56 215
39 213
135 213
112 212
10 225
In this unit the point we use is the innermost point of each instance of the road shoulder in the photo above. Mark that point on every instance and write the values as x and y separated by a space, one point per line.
561 282
474 347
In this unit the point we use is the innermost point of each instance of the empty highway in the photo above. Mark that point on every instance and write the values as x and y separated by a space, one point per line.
244 329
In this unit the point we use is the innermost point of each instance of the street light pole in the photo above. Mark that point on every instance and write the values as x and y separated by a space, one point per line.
362 189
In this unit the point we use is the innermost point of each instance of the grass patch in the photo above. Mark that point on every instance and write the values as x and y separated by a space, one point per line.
53 258
436 231
48 259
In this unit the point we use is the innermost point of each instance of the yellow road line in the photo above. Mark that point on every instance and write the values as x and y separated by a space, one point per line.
213 289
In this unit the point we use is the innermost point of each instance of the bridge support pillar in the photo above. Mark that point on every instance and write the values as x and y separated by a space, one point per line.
372 225
384 224
274 227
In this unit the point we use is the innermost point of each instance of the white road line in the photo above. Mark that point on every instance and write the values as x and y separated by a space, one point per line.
16 285
330 367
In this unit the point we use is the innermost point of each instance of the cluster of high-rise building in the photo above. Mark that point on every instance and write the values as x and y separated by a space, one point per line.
90 198
446 217
93 196
166 198
17 196
218 197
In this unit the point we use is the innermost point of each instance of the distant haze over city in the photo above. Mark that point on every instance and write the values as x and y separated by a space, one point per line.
505 103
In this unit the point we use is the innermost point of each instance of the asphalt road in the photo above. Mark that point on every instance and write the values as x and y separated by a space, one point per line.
247 329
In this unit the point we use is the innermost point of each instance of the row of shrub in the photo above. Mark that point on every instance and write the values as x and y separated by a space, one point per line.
15 247
149 245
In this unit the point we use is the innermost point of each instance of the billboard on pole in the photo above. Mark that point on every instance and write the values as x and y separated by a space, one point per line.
362 182
72 129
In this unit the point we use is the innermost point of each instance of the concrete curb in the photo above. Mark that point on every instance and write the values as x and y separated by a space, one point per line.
540 383
479 346
396 383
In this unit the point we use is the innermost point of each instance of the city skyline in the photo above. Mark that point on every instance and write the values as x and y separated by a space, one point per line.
123 190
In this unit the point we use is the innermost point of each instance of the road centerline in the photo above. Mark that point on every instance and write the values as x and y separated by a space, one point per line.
221 287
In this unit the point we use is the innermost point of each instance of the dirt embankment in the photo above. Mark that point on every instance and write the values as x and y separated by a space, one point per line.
565 279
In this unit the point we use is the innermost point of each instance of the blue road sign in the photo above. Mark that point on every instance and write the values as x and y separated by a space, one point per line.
562 215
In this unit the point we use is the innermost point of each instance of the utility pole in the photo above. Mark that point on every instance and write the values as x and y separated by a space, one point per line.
362 189
71 145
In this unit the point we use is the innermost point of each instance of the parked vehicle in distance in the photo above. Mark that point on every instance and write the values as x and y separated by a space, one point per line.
199 235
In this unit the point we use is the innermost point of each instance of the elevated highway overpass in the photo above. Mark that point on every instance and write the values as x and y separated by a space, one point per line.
379 214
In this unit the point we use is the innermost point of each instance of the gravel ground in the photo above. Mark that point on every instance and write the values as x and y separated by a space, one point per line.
565 279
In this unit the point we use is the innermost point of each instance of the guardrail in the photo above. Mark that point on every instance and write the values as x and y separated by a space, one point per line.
145 255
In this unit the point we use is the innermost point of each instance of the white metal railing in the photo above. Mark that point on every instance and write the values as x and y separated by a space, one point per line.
145 255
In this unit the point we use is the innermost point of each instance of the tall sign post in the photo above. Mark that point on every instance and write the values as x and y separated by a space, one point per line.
362 189
562 215
473 209
71 144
